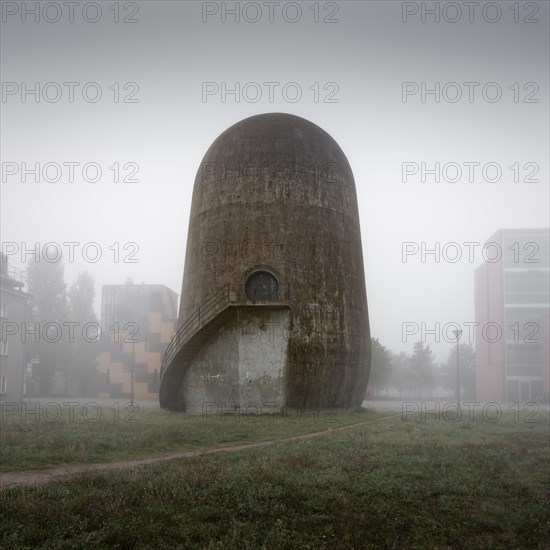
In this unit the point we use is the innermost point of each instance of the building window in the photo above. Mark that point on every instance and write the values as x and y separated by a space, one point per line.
261 286
3 310
3 384
4 346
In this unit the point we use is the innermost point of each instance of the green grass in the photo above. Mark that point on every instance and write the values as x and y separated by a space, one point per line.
34 442
389 484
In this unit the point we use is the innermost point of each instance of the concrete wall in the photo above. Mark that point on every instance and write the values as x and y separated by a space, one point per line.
276 192
242 366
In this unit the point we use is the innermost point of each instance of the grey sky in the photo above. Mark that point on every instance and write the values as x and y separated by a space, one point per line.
366 55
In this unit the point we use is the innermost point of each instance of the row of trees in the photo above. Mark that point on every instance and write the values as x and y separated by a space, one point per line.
418 373
60 343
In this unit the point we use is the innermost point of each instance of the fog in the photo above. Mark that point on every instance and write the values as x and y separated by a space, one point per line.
466 98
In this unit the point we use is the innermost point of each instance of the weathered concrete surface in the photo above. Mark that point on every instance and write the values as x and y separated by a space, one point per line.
241 366
276 192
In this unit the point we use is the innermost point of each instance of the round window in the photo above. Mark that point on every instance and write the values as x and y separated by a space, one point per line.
261 286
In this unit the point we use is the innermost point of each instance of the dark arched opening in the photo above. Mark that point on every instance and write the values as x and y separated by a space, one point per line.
262 286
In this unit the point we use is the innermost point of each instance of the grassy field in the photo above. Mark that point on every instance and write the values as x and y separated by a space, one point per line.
389 484
28 441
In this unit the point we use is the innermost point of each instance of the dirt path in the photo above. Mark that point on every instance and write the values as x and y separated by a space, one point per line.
65 471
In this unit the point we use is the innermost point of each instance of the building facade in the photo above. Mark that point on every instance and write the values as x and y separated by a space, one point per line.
13 311
512 308
137 323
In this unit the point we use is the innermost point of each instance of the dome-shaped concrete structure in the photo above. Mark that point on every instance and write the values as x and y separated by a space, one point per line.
273 308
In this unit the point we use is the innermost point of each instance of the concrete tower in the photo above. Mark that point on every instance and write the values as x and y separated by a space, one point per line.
273 310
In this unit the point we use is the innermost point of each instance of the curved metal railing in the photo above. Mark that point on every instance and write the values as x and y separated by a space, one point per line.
205 312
